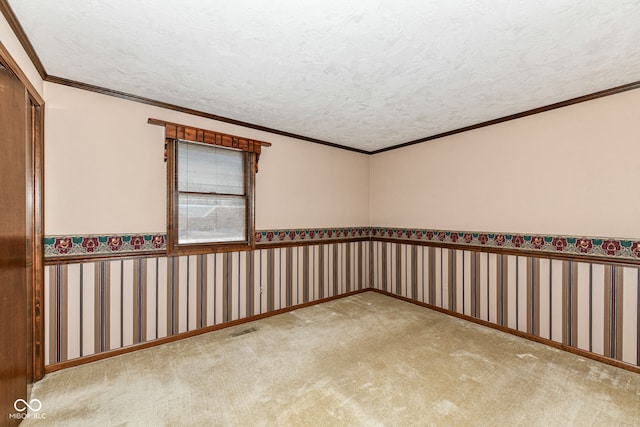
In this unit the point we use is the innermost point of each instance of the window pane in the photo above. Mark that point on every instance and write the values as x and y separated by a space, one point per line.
210 218
209 169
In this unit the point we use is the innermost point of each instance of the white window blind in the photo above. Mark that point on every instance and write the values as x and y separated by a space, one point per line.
211 194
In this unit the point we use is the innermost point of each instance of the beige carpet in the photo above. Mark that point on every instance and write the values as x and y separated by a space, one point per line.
364 360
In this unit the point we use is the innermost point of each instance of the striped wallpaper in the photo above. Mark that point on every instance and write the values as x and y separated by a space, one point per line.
97 306
100 305
590 306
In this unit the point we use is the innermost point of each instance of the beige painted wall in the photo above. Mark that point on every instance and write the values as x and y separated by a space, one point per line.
572 170
104 170
11 43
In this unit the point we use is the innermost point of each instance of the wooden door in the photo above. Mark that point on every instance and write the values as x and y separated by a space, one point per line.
15 254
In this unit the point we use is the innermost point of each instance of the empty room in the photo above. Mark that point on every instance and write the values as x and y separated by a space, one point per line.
320 213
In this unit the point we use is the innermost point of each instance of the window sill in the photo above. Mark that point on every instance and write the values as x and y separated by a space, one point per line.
209 248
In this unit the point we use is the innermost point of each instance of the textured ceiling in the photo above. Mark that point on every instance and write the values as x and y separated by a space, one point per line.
366 74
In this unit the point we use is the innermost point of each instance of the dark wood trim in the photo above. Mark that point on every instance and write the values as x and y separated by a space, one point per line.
36 292
310 242
259 246
173 338
28 47
38 302
589 97
250 227
22 37
74 259
60 260
200 135
545 341
135 98
7 60
510 251
208 248
173 246
95 357
171 147
161 104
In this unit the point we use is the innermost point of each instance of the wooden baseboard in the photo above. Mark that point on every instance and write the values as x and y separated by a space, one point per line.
583 353
525 335
160 341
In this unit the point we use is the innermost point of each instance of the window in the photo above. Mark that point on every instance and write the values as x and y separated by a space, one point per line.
210 190
212 194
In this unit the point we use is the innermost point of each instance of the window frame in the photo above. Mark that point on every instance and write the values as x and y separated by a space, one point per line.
174 247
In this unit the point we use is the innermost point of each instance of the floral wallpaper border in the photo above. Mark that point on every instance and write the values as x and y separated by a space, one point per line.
100 245
313 234
93 245
606 248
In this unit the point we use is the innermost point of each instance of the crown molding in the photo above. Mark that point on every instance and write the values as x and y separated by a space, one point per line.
136 98
566 103
168 106
28 47
22 37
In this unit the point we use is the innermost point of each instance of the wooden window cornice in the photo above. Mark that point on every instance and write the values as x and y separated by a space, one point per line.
190 133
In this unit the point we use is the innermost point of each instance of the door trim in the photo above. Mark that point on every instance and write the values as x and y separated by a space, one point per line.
36 304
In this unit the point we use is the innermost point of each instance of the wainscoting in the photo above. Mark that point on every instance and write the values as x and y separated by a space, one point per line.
581 293
591 306
98 306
